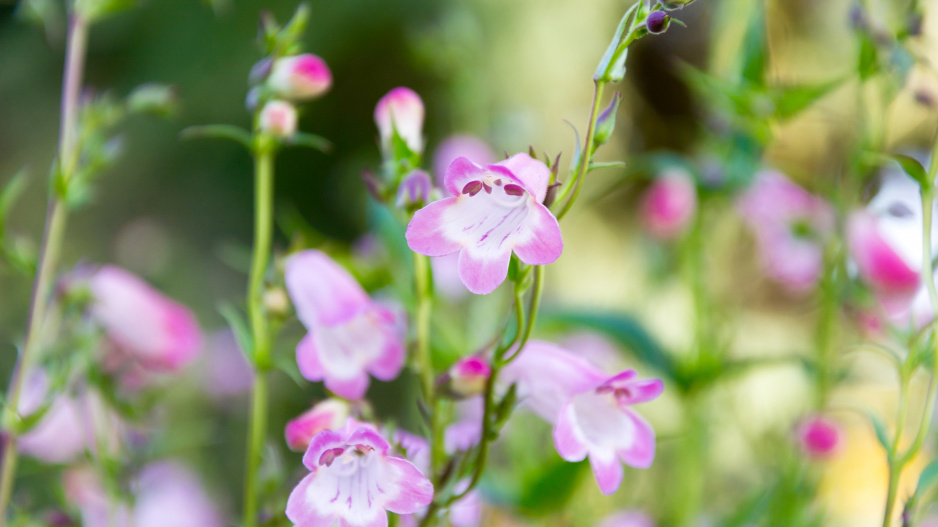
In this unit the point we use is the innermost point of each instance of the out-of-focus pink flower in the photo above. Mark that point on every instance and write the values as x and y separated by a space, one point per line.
402 110
467 377
894 279
350 335
591 412
628 519
170 494
819 436
446 280
492 211
143 324
466 431
456 146
596 348
278 118
669 204
228 371
301 77
790 225
330 414
354 481
84 490
414 189
70 426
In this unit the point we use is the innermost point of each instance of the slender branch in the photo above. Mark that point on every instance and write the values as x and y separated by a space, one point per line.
50 249
588 151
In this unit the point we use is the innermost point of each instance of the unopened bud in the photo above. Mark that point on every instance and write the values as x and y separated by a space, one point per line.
300 78
152 98
414 190
468 376
401 110
276 301
278 118
657 22
606 122
669 205
820 437
330 414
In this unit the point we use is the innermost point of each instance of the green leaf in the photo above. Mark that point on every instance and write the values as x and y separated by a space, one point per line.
607 164
913 168
551 488
611 67
287 364
505 407
239 327
753 52
11 193
219 131
93 10
927 478
791 101
881 434
310 141
290 34
867 63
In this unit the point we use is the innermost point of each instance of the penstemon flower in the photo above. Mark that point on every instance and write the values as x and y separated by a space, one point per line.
492 211
401 111
456 146
144 325
300 77
354 481
590 411
819 436
278 118
330 414
350 335
468 376
790 225
669 204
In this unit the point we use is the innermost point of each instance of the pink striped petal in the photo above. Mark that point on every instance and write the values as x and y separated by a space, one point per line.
566 439
533 174
322 291
414 490
425 233
608 472
641 453
543 242
483 273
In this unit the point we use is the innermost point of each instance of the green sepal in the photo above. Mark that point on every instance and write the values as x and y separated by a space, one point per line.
219 131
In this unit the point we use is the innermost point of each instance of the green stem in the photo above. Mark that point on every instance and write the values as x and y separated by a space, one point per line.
827 331
423 279
260 329
50 248
588 150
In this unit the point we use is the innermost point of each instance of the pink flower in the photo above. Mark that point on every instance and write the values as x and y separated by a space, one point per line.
330 414
169 493
669 205
820 437
401 110
456 146
350 335
84 489
591 413
70 426
278 118
466 431
414 190
493 211
229 373
354 481
301 77
143 324
790 225
468 376
628 519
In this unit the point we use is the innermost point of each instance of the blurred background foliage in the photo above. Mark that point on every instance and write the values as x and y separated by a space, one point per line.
179 213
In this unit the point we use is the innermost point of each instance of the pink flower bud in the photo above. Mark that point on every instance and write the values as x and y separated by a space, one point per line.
402 110
887 270
301 77
327 415
278 118
669 205
414 190
819 436
468 376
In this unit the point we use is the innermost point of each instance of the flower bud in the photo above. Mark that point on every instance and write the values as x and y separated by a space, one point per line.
606 122
152 98
278 118
414 190
401 110
657 22
819 437
300 78
468 376
327 415
669 205
276 302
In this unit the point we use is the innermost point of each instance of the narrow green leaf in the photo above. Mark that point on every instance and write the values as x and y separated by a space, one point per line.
12 192
608 71
287 364
310 141
239 327
913 168
881 434
867 62
793 100
927 478
606 164
219 131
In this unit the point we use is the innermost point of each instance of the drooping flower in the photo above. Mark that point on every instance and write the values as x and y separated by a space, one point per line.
790 225
278 118
143 324
350 335
354 481
669 204
819 436
401 110
301 77
591 412
330 414
492 211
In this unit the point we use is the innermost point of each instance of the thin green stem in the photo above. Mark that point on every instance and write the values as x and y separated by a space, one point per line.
260 329
423 280
50 248
588 150
827 330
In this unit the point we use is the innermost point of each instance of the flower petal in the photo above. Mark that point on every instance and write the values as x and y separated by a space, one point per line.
607 470
629 390
321 442
369 437
350 388
414 490
387 365
566 437
642 451
301 512
307 359
425 232
460 172
542 242
482 273
879 264
533 174
322 290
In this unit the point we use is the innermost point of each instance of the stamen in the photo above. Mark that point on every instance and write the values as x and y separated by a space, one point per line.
498 182
514 190
472 188
488 189
329 456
